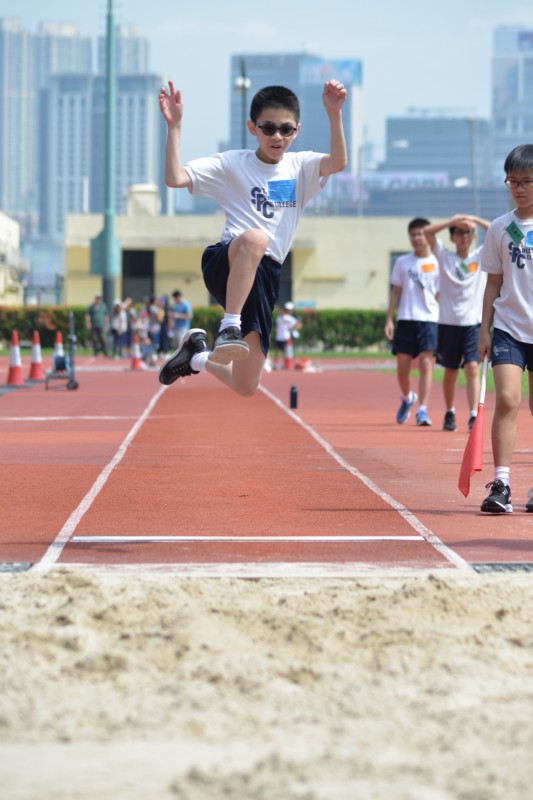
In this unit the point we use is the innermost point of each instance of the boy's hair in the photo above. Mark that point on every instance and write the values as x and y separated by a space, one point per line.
520 159
274 97
417 222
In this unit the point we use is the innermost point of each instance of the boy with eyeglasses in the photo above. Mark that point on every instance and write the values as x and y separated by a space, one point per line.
263 194
462 284
507 257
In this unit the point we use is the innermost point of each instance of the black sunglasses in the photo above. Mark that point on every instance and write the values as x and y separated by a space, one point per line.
269 129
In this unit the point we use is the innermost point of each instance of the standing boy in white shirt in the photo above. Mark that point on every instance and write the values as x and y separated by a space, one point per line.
415 288
507 257
462 284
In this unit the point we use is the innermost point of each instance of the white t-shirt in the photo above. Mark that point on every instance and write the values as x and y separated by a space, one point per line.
285 324
513 308
462 284
253 194
418 279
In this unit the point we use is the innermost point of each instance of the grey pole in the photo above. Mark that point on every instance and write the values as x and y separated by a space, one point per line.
109 267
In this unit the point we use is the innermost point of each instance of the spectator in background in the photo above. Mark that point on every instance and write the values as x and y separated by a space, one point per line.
287 326
181 316
97 322
119 329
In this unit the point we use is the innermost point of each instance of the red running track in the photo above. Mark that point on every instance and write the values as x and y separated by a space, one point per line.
122 473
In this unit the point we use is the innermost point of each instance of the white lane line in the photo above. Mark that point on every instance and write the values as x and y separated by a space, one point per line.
404 512
56 548
272 569
64 419
242 539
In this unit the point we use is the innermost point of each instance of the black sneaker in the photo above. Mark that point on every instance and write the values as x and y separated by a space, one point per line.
449 421
471 421
179 363
229 346
499 499
529 504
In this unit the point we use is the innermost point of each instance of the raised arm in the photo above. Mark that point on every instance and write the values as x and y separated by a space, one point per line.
334 97
171 107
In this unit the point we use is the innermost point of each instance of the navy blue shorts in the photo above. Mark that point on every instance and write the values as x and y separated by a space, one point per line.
508 350
457 345
412 338
257 311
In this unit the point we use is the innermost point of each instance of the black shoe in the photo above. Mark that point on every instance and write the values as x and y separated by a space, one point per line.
529 504
471 421
499 499
179 363
449 421
229 346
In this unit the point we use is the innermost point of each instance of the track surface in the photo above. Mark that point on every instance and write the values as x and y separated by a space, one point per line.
123 473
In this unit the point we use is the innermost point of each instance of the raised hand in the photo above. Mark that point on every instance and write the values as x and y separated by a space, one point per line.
334 95
171 105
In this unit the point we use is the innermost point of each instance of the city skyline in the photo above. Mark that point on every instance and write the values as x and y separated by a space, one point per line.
409 59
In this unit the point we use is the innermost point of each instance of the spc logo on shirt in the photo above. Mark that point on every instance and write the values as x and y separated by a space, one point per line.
280 194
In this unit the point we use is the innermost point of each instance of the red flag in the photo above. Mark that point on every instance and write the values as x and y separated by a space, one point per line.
473 455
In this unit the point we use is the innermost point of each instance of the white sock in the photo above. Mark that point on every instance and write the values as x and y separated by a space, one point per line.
230 321
409 398
452 409
473 413
198 361
422 408
502 474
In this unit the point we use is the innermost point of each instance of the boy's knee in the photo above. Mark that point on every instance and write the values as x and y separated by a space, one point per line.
255 240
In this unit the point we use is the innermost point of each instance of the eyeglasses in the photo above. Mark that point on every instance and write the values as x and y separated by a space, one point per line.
269 129
512 184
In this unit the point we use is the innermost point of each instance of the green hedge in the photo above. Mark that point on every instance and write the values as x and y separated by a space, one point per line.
342 329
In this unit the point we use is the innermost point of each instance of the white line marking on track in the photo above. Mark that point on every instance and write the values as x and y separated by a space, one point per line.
63 419
242 539
273 569
409 517
56 548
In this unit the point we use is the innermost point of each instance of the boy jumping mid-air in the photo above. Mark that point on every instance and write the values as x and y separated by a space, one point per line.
263 194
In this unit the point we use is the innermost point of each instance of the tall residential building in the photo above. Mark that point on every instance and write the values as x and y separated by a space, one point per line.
72 176
132 52
305 74
18 122
27 61
512 92
61 49
65 155
140 139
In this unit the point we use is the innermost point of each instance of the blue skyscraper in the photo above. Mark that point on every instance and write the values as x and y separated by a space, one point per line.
512 92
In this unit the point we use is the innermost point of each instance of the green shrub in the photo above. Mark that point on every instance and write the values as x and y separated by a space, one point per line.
341 329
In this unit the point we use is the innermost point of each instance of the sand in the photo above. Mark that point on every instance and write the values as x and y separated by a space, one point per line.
155 686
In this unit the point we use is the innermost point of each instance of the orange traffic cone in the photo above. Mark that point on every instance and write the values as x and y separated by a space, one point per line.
289 355
136 361
36 367
60 360
14 377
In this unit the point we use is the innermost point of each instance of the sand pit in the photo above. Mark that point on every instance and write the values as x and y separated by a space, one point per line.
381 688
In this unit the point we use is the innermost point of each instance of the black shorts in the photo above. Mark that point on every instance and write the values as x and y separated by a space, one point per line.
457 345
412 338
257 311
508 350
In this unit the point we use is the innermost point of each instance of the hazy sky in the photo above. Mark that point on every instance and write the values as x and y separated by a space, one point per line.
412 55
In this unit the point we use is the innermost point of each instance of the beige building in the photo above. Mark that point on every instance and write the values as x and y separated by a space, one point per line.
335 262
13 269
